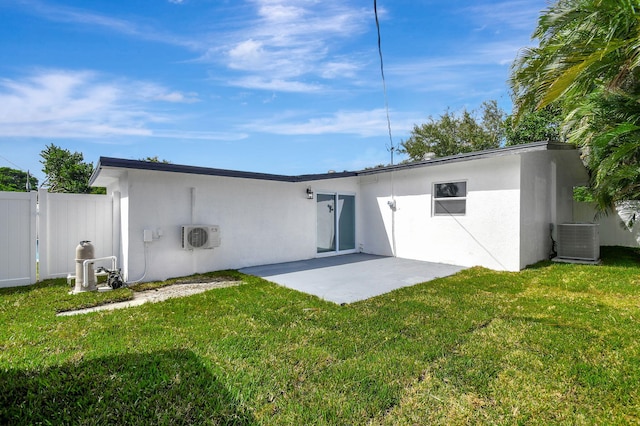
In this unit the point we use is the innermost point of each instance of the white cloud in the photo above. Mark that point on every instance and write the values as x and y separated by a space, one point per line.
477 65
458 75
153 92
278 85
274 12
501 52
81 104
360 123
83 17
515 14
290 43
280 41
339 69
246 55
199 136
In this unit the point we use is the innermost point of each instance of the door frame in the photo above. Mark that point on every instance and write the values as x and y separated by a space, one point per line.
336 217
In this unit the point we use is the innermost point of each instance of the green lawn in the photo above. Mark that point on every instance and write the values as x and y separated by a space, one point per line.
554 344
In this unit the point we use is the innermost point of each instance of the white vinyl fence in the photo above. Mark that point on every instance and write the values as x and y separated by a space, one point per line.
611 229
18 214
47 227
66 219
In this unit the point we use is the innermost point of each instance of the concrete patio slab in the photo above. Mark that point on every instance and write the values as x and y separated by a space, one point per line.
352 277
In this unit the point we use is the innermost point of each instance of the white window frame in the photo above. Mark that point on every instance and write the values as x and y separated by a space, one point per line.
435 199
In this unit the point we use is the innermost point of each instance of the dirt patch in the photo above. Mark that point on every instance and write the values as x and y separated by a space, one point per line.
186 288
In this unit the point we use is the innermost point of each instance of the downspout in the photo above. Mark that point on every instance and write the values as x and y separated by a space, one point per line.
392 202
193 205
392 205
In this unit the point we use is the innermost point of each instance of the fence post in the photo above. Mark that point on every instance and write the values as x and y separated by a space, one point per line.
115 218
43 240
33 236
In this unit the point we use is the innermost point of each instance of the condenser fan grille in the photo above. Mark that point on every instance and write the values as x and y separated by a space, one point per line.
578 241
198 237
195 237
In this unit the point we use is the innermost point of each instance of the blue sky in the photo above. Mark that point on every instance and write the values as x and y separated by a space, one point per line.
275 86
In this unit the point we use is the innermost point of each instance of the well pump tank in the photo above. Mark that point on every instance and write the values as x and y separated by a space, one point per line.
84 251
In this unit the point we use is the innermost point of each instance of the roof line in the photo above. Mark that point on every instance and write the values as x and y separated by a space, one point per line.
488 153
178 168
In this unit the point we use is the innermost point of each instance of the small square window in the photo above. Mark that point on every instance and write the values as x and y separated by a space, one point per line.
450 198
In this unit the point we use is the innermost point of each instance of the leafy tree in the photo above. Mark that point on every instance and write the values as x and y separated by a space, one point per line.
16 180
611 132
451 134
66 171
588 61
534 126
155 159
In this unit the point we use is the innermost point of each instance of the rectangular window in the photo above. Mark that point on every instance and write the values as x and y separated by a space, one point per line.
450 198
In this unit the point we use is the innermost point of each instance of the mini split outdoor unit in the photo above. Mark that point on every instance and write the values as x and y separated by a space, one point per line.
580 241
197 237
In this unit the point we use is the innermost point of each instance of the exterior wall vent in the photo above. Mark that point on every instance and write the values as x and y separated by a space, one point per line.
198 237
579 241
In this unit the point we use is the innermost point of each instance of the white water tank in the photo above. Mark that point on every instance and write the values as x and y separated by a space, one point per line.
84 251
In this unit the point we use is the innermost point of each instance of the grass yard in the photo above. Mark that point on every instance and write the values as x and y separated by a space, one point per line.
554 344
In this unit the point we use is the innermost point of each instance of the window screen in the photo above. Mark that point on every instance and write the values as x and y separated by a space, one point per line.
450 198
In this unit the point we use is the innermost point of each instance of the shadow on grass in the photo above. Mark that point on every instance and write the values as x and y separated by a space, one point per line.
616 256
53 282
169 387
620 256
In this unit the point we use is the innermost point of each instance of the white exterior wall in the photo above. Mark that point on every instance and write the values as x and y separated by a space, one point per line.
260 221
511 201
487 235
548 178
537 182
570 173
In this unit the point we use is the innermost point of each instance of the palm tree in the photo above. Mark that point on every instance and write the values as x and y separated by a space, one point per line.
584 44
588 63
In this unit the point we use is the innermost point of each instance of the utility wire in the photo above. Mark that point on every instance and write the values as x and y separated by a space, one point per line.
384 83
12 163
391 147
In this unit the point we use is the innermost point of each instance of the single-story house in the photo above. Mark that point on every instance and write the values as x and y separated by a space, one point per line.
490 208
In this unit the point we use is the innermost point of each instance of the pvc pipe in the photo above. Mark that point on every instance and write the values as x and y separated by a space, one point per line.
85 267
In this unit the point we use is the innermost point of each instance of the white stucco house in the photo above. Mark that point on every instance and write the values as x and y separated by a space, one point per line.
491 208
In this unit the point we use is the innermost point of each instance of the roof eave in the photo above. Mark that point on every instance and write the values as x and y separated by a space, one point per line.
109 163
489 153
118 163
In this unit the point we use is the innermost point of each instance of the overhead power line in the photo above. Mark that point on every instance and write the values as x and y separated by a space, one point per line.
12 163
391 147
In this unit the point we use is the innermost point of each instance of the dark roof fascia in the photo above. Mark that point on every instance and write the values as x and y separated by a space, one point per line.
489 153
322 176
178 168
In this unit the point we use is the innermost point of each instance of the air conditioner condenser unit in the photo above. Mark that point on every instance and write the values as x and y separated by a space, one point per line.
579 241
197 237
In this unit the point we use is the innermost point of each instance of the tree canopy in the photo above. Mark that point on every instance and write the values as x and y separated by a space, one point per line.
454 134
534 126
155 159
588 63
16 180
66 171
